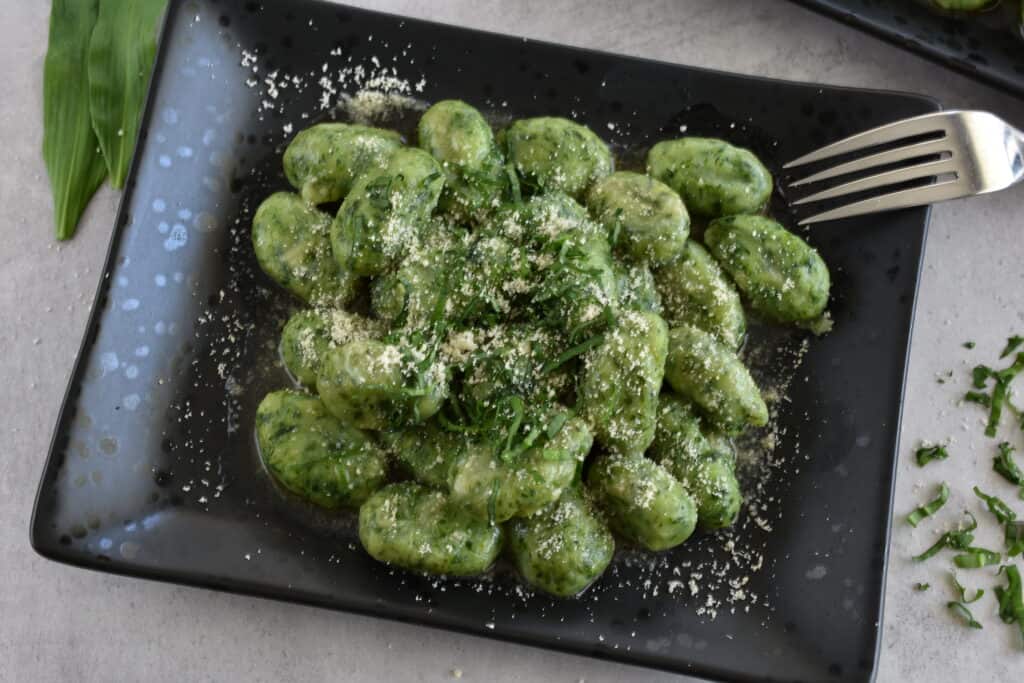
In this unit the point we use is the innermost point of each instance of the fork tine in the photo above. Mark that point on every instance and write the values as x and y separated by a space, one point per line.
916 196
919 125
887 157
873 182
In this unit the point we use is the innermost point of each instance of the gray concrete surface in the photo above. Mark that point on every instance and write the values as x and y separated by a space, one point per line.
58 623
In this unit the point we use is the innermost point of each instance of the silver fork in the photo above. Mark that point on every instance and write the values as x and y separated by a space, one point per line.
977 153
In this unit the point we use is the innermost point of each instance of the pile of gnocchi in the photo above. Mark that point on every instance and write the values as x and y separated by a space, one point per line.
510 348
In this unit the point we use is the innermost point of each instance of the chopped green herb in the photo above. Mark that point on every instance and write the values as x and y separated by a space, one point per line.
996 506
969 345
976 558
955 540
980 375
1014 537
925 454
571 353
930 508
1005 466
979 398
962 592
922 586
999 397
1011 599
1011 345
965 613
556 424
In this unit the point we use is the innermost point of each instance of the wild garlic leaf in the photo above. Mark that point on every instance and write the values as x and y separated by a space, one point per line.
121 57
70 149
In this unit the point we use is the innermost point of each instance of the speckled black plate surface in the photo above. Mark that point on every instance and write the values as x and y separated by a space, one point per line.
153 471
985 45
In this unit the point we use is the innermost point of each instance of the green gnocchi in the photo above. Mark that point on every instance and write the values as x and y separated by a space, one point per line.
694 289
645 503
563 548
781 276
704 462
510 348
324 161
417 528
292 245
643 215
552 154
713 177
709 373
315 456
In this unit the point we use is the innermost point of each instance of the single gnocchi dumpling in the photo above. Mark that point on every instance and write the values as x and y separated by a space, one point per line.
291 239
563 548
383 214
713 177
323 161
493 484
417 528
621 380
543 221
552 154
708 373
375 385
644 502
304 340
309 334
476 179
644 218
313 455
703 462
782 277
695 290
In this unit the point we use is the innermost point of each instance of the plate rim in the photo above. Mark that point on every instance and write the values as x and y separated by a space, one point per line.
982 73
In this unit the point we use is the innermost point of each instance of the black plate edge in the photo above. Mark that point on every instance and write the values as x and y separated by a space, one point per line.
886 33
886 554
59 554
88 337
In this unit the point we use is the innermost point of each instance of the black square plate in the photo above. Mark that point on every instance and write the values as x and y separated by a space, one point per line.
985 45
153 470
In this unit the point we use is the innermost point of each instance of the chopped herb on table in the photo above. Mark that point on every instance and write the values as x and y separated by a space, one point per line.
996 506
1005 465
965 613
925 454
960 539
999 397
930 508
1014 538
1012 344
1011 599
962 592
976 558
991 390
